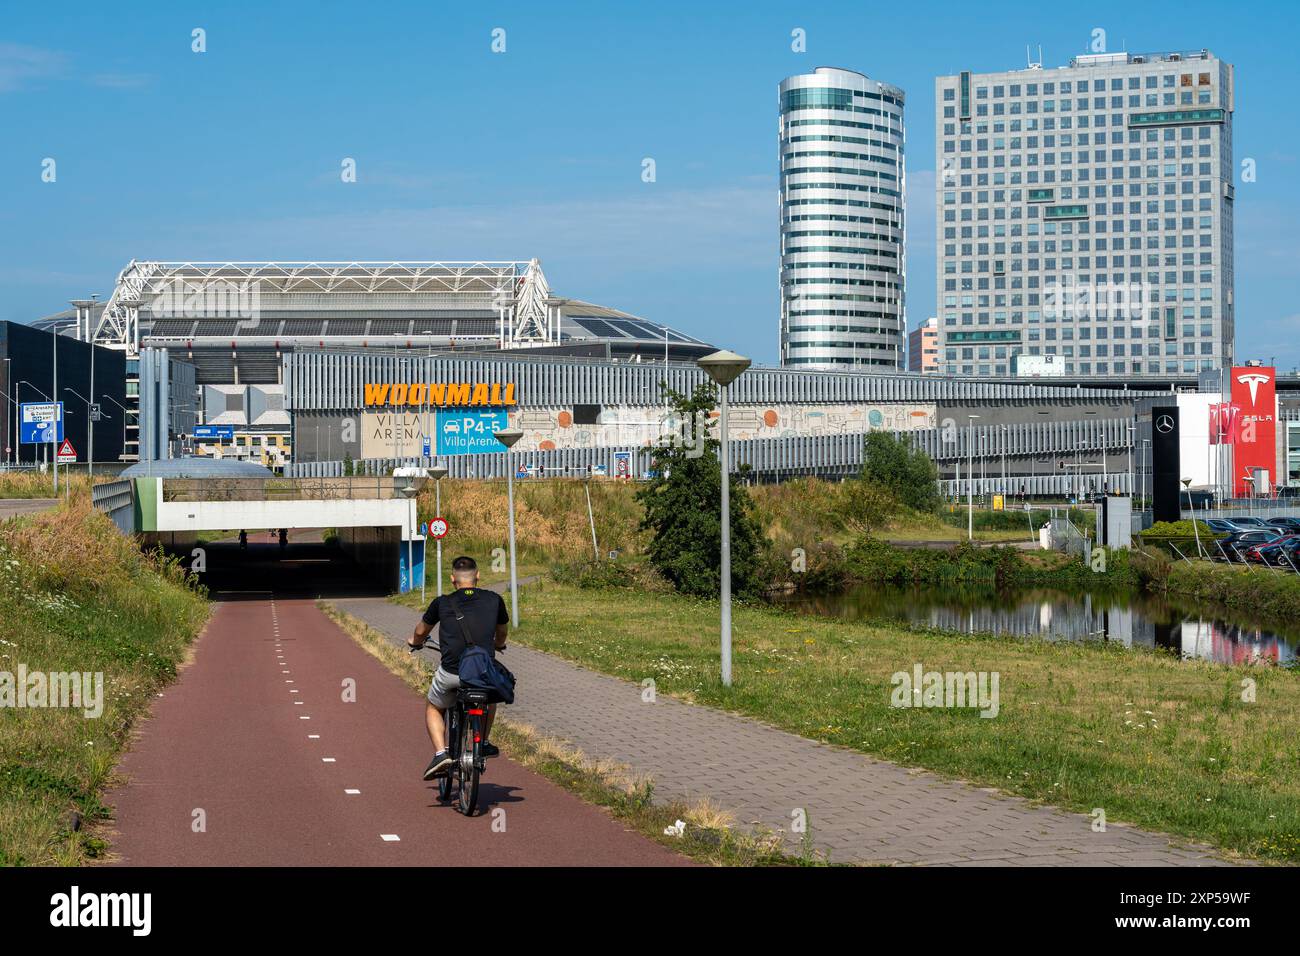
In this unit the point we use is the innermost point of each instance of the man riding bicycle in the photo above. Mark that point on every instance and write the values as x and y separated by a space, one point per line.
485 620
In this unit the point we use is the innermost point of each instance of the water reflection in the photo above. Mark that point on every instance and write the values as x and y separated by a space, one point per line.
1139 620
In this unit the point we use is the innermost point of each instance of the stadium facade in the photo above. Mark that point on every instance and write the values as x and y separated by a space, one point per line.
582 416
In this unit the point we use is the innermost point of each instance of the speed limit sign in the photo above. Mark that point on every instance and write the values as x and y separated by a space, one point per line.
438 528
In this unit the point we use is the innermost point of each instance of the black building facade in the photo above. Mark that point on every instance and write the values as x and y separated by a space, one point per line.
27 358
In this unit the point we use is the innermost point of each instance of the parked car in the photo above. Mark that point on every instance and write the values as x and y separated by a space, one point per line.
1249 521
1233 547
1222 525
1284 552
1290 525
1266 551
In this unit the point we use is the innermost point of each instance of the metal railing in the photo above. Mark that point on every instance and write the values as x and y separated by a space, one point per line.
114 499
365 487
1067 537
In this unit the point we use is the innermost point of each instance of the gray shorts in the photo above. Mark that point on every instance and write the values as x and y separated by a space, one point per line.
442 691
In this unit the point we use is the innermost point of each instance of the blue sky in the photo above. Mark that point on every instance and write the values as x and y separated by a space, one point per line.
463 153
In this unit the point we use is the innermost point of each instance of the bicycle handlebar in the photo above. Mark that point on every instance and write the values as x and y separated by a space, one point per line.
411 648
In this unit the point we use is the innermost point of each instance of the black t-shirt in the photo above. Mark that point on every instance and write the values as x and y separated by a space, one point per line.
483 611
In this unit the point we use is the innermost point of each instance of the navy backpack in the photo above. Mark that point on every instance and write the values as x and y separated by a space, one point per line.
478 670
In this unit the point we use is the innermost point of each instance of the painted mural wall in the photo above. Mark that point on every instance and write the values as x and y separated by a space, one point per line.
402 434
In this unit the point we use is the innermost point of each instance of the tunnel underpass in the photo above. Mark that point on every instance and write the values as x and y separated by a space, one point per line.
306 567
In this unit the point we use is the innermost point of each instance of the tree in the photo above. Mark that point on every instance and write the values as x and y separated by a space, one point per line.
894 465
683 505
349 467
867 506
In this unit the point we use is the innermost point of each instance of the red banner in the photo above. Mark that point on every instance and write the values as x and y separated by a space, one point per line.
1253 425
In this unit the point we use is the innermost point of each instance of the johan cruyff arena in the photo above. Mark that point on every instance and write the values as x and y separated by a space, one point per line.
305 365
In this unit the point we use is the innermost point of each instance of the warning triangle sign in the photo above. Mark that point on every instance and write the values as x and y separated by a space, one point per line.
66 451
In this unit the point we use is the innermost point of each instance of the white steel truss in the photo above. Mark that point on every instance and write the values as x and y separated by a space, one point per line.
518 290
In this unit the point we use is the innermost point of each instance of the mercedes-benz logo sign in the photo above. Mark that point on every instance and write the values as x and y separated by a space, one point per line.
1165 424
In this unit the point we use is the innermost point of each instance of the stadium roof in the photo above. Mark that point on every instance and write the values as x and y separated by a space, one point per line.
273 306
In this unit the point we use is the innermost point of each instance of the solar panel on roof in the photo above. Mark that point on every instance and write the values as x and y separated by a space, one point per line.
633 328
600 327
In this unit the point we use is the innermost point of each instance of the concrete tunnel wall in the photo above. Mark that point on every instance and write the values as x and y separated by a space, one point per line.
383 553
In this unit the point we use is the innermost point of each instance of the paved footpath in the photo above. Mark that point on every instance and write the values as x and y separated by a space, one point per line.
12 507
256 741
860 810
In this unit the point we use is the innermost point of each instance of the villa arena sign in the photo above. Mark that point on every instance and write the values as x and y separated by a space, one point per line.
441 395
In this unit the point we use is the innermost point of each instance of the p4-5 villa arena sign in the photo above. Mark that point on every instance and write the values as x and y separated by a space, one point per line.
439 394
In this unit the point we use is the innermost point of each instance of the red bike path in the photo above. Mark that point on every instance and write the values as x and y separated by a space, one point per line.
253 757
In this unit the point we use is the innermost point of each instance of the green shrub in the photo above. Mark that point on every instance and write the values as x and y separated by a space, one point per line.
1179 529
609 574
902 470
683 513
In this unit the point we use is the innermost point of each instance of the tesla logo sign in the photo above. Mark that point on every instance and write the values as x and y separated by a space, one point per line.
1254 380
1164 424
1254 432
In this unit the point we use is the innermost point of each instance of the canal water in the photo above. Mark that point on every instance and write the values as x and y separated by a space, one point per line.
1134 619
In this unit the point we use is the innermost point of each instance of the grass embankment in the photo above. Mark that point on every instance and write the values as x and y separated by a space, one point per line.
551 523
1260 593
33 484
552 528
1154 741
871 561
75 595
708 837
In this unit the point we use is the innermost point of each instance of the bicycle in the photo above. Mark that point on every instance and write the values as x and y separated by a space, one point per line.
464 723
465 745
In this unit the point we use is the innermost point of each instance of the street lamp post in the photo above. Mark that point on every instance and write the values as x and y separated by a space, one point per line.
1004 458
508 437
970 476
1078 472
1143 470
123 407
437 473
90 435
410 491
48 399
591 517
10 408
1131 430
1187 486
725 367
55 389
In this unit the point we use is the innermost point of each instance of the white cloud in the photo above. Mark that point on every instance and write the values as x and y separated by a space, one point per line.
21 64
121 81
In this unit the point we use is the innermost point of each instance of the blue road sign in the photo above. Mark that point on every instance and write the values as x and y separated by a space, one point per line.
226 432
40 423
426 451
466 433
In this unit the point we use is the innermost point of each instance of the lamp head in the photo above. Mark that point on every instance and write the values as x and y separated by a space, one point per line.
508 436
723 367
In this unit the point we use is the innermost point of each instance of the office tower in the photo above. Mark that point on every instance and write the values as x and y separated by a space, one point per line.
842 221
1085 212
923 347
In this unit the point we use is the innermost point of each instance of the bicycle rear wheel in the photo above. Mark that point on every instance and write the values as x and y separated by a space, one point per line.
467 764
444 782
